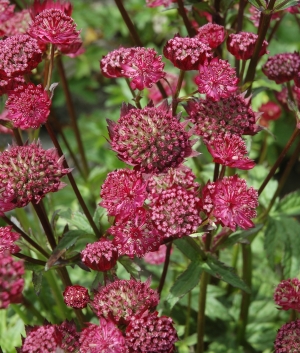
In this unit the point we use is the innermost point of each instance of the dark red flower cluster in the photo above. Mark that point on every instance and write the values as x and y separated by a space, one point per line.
288 338
287 294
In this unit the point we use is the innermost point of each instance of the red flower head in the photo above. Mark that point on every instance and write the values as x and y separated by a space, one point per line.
217 79
288 338
100 256
28 106
271 111
230 202
110 64
54 26
76 296
11 280
18 55
21 184
156 3
70 336
122 192
241 45
6 10
136 235
211 34
151 333
7 239
17 24
123 299
105 338
150 138
8 85
287 294
282 67
230 150
72 50
41 5
187 53
156 257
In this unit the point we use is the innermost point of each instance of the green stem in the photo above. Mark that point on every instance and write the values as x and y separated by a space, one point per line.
165 269
177 91
30 259
240 18
222 173
216 171
201 311
49 68
181 10
241 74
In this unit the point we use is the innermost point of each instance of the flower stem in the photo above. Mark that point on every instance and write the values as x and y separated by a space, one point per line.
181 10
201 311
177 91
165 269
49 68
30 259
18 137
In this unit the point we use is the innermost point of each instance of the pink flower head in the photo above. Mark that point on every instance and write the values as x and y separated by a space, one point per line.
217 79
54 26
175 211
156 257
150 138
28 106
72 50
76 296
187 53
136 235
17 24
231 202
123 299
100 256
27 174
122 192
70 336
41 5
287 294
282 67
11 280
229 115
241 45
143 66
7 239
151 333
271 111
8 85
105 338
288 338
6 10
230 150
19 55
156 3
110 64
211 34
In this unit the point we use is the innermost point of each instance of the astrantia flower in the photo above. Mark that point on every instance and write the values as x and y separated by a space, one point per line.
282 67
217 79
40 5
136 235
8 85
27 174
143 66
288 338
28 106
241 45
156 257
150 333
287 294
271 111
54 26
70 336
11 280
231 202
230 150
17 24
187 53
175 211
229 115
122 299
211 34
19 55
101 255
76 296
7 239
122 192
105 338
150 138
155 3
6 10
111 63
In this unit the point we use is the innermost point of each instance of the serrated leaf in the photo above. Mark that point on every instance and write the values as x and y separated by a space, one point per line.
241 235
189 248
37 278
289 205
78 220
132 268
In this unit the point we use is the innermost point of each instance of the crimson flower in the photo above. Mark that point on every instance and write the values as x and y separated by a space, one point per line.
287 294
38 6
7 239
156 257
211 34
76 296
288 338
271 111
110 64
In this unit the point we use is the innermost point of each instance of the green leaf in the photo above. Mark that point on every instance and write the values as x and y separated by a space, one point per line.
284 4
189 248
261 5
289 205
130 266
78 220
273 240
99 213
241 235
37 278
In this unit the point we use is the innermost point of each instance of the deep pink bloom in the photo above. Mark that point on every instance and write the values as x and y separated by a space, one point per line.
110 64
231 151
101 255
21 184
28 106
150 138
241 45
271 111
136 235
282 67
150 333
143 66
122 192
156 257
230 202
40 5
105 338
287 294
8 85
19 55
6 11
217 79
70 336
175 211
76 296
7 239
211 34
54 26
155 3
288 338
17 24
187 53
11 280
123 299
